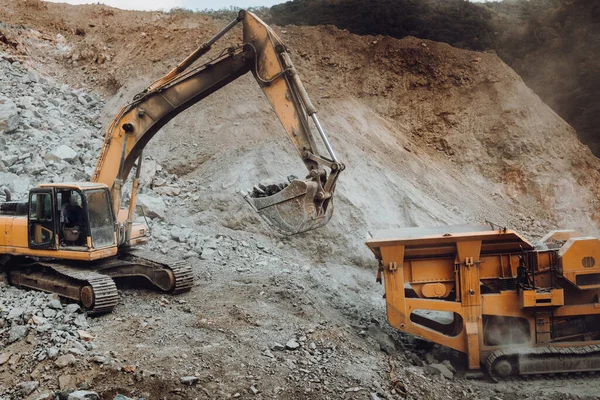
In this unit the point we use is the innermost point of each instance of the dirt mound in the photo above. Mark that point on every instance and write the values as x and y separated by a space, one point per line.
430 135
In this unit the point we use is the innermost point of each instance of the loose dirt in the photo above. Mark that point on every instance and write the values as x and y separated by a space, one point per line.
430 135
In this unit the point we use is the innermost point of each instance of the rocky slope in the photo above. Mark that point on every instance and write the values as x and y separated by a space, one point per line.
430 135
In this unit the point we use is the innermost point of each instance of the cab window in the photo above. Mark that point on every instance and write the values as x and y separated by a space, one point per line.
41 207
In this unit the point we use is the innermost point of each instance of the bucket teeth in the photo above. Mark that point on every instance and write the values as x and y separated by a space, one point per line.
294 209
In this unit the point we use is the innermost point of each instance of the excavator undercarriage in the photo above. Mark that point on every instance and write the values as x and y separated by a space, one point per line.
514 309
92 285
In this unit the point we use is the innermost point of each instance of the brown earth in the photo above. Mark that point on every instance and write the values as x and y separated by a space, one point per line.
430 135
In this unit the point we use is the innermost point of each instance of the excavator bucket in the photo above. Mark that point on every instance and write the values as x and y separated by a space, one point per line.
293 209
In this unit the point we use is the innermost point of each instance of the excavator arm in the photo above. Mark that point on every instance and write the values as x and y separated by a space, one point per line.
303 204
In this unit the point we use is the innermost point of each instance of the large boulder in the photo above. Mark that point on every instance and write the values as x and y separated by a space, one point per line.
149 169
9 115
62 152
151 206
18 185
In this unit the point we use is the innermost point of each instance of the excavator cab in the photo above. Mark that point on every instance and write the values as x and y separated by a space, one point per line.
71 217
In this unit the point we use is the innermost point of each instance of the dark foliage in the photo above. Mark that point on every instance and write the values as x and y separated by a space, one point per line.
555 46
458 22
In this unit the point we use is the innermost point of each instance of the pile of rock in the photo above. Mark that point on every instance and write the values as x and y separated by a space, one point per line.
36 327
48 132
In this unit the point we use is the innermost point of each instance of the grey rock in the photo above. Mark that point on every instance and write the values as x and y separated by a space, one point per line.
17 184
43 328
292 345
416 360
439 369
151 206
386 344
15 313
67 359
4 357
75 351
62 152
189 380
72 308
52 353
33 76
49 313
277 347
81 321
55 304
121 397
36 167
9 159
9 115
267 353
83 395
26 388
99 359
17 332
449 365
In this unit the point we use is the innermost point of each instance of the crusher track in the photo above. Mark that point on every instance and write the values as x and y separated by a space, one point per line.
507 363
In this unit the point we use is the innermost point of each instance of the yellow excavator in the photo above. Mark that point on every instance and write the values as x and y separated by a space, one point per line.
72 239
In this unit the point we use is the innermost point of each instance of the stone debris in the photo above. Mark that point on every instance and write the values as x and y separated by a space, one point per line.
26 388
9 115
85 336
189 380
53 138
439 369
292 345
83 395
67 359
50 330
17 332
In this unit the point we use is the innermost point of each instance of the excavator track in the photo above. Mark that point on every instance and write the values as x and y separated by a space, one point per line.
183 277
502 364
96 292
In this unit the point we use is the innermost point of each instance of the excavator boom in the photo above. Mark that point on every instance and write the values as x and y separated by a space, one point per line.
303 204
